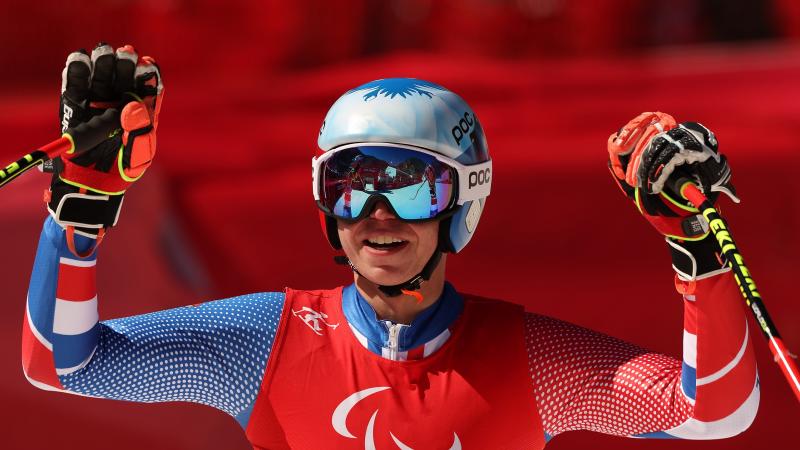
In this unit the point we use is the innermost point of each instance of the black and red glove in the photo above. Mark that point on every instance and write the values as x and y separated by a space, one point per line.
87 189
647 156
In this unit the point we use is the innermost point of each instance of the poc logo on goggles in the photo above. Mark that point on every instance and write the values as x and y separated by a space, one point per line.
480 177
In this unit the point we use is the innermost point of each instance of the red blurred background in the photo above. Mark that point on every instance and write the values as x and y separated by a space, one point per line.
248 84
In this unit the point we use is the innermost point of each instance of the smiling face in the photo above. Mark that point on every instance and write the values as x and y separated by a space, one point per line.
387 250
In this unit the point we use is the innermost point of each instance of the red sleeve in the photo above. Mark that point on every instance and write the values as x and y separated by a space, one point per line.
584 380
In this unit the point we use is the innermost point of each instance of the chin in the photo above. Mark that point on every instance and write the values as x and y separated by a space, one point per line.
385 276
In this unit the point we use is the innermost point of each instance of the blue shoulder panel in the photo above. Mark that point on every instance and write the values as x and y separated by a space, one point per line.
214 353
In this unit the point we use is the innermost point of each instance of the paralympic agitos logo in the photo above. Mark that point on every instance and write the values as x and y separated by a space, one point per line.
339 421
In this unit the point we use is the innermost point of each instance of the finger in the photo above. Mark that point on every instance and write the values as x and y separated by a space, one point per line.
662 165
643 143
647 163
690 144
75 78
635 130
149 85
720 172
102 73
134 116
674 148
625 140
148 77
702 134
634 166
616 165
137 155
631 139
125 70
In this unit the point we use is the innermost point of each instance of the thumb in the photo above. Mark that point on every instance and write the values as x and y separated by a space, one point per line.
138 141
134 116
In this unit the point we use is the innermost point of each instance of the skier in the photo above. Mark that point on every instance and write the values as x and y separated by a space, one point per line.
399 358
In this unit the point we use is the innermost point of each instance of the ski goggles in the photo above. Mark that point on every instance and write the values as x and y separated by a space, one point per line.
415 183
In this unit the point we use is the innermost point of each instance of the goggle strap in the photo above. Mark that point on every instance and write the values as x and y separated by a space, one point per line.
474 181
415 282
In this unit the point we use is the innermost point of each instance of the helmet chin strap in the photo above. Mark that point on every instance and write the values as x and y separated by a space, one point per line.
409 287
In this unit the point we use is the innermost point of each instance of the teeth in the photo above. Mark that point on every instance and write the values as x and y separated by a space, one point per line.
384 239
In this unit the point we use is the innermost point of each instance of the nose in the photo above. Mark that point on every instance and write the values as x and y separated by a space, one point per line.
381 211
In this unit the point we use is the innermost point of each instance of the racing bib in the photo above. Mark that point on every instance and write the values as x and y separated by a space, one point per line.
324 390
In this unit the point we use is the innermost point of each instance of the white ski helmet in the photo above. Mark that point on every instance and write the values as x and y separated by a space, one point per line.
420 114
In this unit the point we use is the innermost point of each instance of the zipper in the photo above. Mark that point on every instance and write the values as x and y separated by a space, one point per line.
393 343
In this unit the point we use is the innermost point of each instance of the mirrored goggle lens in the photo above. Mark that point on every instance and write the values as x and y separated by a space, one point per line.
415 184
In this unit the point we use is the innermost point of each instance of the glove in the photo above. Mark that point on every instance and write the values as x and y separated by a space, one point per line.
650 153
646 157
86 190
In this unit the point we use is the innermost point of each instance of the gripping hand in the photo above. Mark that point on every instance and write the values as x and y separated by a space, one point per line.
86 190
650 153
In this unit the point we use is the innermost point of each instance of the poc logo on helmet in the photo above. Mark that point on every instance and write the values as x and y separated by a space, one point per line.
462 127
480 177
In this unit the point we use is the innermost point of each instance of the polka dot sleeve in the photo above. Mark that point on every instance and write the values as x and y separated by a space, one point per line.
214 353
584 380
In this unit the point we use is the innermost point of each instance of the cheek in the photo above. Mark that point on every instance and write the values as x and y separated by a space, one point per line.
345 236
428 233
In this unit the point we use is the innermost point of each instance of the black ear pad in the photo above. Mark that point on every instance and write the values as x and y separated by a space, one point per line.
444 236
332 231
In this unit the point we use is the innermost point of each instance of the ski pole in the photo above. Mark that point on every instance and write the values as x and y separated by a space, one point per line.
74 140
744 279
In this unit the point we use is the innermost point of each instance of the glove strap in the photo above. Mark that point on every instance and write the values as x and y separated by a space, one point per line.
91 179
70 231
85 211
695 260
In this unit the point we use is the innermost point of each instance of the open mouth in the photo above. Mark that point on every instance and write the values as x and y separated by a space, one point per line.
384 242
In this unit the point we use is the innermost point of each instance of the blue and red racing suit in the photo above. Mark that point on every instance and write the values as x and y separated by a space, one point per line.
250 356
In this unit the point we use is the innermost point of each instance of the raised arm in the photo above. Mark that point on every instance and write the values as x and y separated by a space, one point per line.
214 353
584 380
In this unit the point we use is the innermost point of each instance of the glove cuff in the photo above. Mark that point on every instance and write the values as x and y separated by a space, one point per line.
693 260
87 213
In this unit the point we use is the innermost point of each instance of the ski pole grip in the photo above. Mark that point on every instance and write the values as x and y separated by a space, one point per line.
688 190
677 184
96 130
